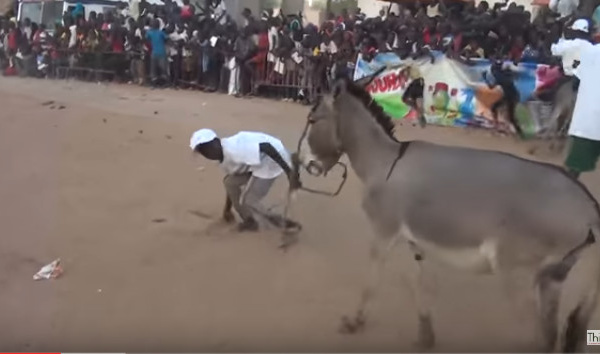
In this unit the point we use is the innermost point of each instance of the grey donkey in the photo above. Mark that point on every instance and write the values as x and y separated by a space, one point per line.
479 211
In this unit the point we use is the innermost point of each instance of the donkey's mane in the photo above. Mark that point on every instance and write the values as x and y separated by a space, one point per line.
375 109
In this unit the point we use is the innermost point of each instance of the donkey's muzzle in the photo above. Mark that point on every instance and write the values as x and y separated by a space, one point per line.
308 162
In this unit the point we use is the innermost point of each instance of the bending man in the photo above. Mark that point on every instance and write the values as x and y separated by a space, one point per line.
251 161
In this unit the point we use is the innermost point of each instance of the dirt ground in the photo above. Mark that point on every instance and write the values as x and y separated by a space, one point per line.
84 177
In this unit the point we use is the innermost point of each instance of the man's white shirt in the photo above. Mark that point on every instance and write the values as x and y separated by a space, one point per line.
241 154
586 115
570 51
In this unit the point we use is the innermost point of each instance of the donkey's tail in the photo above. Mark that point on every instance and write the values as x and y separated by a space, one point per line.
579 294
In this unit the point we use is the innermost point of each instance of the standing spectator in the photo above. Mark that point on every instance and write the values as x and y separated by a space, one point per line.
564 8
258 63
116 41
248 18
596 19
26 29
187 11
189 56
135 49
177 38
435 9
78 11
244 49
158 59
585 125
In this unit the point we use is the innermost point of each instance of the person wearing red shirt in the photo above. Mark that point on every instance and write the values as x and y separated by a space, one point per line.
13 38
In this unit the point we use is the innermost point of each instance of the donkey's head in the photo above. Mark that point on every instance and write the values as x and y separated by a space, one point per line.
324 119
323 136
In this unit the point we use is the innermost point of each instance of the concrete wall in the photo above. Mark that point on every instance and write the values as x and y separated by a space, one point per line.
292 6
371 7
235 7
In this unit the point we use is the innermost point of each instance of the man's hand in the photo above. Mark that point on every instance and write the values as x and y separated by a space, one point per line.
294 181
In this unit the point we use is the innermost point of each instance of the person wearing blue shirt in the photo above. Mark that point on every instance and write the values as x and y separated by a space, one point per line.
158 60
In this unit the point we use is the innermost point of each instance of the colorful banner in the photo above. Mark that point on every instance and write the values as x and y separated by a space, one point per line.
456 94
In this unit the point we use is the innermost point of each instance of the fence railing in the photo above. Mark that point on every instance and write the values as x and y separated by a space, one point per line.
288 78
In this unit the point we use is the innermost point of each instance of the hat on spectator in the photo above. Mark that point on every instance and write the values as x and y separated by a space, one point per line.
581 25
202 136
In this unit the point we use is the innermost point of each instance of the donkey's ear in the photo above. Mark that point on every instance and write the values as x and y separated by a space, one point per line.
339 87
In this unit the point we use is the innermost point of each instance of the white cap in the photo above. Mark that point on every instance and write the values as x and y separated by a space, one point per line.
202 136
581 25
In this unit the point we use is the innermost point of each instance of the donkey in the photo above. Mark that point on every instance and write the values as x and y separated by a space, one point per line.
480 211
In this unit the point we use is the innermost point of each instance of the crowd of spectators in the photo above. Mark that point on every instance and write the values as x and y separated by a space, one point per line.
203 47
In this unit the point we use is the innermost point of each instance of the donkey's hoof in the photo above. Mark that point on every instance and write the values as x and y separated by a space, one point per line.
426 339
288 240
425 344
354 324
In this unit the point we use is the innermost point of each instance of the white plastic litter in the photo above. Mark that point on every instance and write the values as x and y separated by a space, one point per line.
49 271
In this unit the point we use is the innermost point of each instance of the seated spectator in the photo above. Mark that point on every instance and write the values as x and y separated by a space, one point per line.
473 50
516 51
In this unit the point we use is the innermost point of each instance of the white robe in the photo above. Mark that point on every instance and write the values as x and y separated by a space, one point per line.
586 116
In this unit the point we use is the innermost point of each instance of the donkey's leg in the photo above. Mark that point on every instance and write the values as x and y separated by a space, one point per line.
578 300
380 249
547 296
421 284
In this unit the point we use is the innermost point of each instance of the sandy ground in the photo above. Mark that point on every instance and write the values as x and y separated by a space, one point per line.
82 179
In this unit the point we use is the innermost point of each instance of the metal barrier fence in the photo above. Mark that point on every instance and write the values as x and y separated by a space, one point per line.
87 65
291 78
280 78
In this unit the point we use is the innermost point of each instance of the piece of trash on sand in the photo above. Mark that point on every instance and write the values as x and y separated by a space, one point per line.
47 103
49 271
200 168
159 220
99 290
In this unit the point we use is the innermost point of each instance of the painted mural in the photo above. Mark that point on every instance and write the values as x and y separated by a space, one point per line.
456 94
